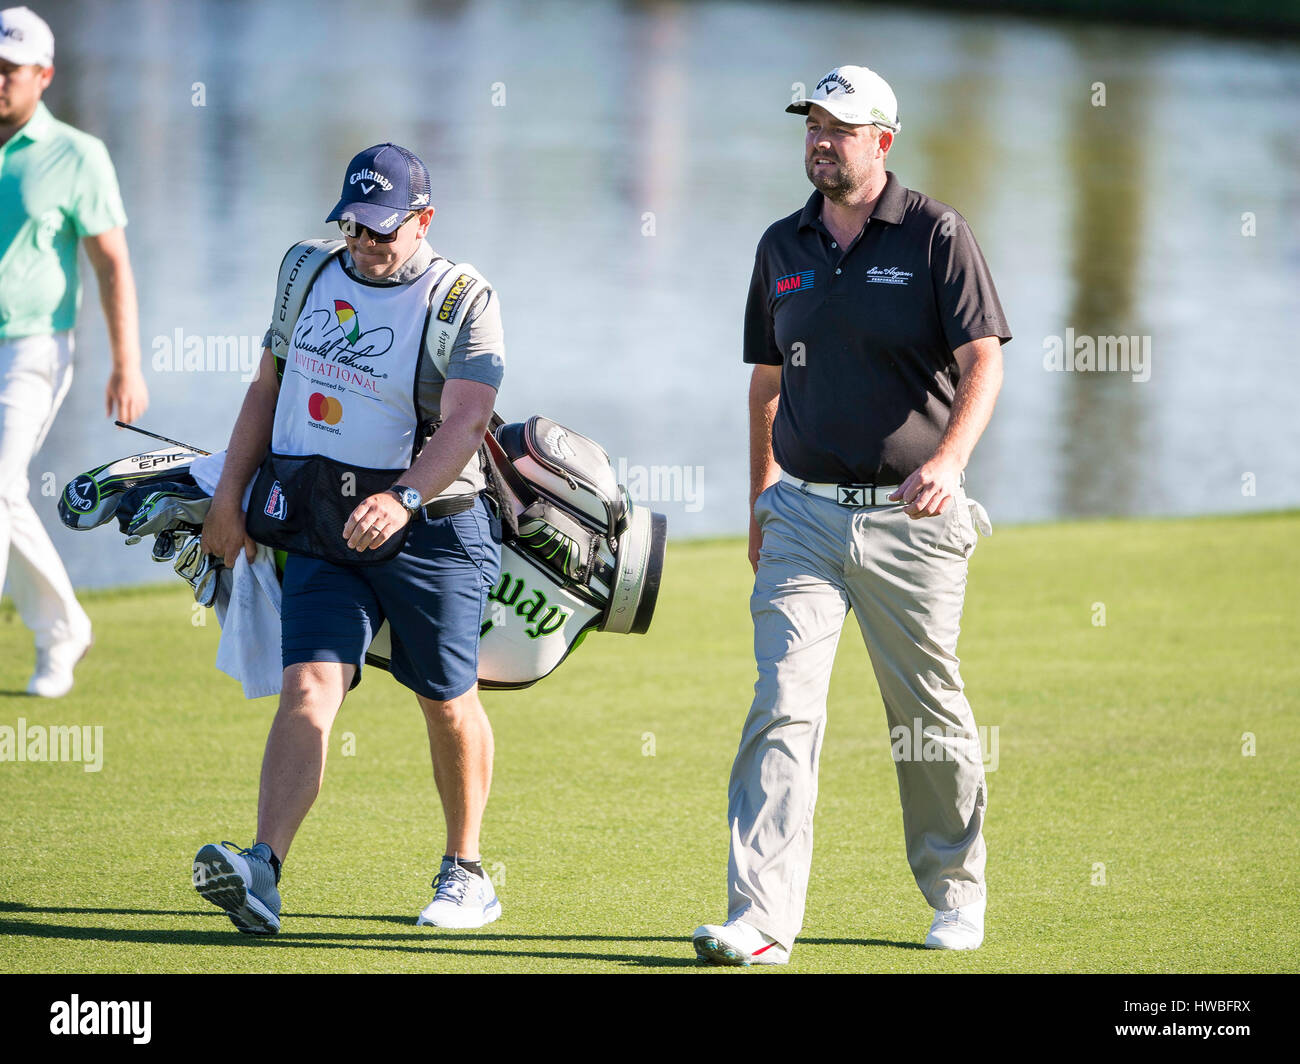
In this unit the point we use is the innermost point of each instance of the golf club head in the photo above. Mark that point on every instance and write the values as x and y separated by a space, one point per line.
201 570
165 545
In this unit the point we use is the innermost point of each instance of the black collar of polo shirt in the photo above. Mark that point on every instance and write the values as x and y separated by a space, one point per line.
889 207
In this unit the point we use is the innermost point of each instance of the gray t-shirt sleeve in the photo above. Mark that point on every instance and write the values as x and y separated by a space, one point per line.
479 353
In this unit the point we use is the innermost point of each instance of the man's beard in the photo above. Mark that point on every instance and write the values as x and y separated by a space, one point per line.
834 186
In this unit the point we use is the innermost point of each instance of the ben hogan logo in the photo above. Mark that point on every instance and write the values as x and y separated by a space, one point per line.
888 275
794 282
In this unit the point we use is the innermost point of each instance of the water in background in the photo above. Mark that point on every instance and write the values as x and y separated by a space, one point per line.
610 168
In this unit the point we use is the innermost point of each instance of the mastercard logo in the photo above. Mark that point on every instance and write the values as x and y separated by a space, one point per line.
325 408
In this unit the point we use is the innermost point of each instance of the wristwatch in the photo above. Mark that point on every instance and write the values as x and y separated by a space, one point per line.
408 497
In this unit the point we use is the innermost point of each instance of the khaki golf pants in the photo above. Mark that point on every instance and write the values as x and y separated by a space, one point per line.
904 580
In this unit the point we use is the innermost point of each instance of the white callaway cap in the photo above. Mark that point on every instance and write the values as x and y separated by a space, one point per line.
25 38
855 95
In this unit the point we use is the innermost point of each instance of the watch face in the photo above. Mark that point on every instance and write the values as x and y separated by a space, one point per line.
410 498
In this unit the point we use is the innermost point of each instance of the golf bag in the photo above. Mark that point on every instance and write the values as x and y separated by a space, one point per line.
585 557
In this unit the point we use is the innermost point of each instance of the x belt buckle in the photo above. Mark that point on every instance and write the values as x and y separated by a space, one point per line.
855 494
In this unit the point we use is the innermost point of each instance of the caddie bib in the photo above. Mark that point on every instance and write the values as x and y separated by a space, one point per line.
348 391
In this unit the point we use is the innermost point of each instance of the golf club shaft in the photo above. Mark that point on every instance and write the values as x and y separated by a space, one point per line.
165 439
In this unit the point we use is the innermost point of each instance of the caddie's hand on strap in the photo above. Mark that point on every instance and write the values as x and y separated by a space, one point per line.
377 518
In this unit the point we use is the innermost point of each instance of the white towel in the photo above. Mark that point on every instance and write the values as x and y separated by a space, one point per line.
206 471
249 649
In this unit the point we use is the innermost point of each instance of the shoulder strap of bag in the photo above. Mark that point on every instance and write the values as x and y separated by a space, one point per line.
460 287
449 304
300 266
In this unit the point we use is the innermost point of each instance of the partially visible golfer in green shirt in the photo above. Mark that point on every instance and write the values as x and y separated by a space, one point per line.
57 187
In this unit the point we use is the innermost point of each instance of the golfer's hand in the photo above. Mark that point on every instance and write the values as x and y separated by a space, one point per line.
377 518
127 394
755 541
929 491
224 532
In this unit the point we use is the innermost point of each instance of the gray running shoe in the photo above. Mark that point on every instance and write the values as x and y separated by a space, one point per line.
460 899
242 882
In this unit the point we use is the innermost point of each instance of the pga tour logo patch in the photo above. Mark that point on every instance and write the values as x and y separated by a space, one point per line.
275 505
793 282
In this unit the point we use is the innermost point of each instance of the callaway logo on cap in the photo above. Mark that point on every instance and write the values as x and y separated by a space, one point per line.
855 95
382 186
25 38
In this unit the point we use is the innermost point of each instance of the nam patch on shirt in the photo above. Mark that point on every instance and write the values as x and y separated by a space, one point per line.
793 282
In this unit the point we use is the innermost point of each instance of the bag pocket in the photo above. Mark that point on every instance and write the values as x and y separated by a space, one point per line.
300 503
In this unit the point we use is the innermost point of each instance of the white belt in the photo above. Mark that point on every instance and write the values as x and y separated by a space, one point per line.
856 496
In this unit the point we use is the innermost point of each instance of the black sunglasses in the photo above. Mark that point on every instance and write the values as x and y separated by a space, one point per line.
351 227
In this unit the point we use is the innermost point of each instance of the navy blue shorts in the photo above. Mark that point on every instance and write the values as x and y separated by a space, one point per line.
433 595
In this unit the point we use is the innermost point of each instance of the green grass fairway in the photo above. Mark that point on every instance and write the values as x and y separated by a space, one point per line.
1130 826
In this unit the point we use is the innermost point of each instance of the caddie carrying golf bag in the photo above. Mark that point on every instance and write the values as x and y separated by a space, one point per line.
585 556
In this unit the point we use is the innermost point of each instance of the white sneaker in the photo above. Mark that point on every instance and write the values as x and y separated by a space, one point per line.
737 942
460 899
54 665
957 928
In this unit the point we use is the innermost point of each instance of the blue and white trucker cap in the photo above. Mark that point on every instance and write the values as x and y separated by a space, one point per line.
383 184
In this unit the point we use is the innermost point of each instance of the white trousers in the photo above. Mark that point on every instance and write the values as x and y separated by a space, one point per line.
35 374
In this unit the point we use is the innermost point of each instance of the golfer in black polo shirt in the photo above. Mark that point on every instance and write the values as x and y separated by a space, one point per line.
875 333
